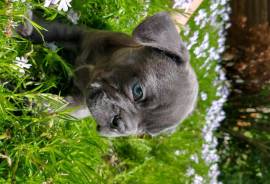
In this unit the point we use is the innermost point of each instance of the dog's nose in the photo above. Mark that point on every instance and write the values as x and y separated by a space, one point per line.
98 128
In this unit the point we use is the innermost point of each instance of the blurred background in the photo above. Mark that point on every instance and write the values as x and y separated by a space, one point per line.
245 144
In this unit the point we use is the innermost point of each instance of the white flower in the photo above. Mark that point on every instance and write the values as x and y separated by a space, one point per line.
193 40
62 4
22 63
213 172
202 15
222 12
214 116
205 43
198 51
179 152
203 23
206 63
228 9
190 171
221 49
213 6
228 25
18 0
146 7
226 17
186 30
221 41
73 16
213 54
213 18
223 2
47 3
203 96
208 136
182 4
222 91
197 179
195 158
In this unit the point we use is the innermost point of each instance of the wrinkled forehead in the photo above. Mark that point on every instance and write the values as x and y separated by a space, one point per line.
130 63
145 60
132 55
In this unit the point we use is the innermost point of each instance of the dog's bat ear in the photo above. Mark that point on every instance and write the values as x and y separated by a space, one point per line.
159 31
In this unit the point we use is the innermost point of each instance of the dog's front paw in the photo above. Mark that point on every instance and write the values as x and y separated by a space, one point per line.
25 29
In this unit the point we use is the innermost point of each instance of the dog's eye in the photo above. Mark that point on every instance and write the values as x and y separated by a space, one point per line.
137 91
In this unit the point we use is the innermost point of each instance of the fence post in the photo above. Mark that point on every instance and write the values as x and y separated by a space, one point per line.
256 11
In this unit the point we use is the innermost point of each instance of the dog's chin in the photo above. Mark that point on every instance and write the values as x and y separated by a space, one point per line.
165 131
113 134
106 131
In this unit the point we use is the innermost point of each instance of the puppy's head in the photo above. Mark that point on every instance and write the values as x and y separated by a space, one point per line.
145 89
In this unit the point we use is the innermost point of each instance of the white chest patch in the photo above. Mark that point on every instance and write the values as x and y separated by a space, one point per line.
78 109
81 112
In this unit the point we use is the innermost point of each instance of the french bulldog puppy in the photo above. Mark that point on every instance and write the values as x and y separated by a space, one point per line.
135 84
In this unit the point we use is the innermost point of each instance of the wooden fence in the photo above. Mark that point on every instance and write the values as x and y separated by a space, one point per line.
256 11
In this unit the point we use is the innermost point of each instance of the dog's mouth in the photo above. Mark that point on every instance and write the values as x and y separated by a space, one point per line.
107 110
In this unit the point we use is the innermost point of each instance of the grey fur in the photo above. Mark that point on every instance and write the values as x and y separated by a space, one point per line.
108 63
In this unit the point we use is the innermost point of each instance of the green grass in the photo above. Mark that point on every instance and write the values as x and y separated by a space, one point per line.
46 145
